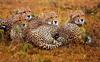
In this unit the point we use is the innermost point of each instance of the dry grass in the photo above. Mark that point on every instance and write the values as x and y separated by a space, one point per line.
25 52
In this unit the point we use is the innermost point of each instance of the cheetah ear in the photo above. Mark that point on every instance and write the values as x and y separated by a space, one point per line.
43 16
71 14
71 17
74 14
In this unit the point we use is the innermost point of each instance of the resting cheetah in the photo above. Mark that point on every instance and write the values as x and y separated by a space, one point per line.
12 21
72 31
32 24
38 31
19 18
15 16
43 35
78 17
16 33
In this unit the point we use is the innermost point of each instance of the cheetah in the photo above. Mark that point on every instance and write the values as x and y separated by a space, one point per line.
19 18
37 31
15 16
78 17
16 33
43 35
13 19
71 31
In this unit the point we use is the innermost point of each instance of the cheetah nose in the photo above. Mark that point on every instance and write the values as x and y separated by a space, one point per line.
55 22
82 20
4 27
29 16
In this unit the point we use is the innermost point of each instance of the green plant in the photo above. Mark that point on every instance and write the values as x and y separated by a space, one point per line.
1 34
25 46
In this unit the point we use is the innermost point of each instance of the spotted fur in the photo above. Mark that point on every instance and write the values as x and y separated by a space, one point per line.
70 32
38 31
73 31
16 21
43 37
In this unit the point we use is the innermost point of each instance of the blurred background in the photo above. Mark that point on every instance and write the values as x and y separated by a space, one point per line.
27 53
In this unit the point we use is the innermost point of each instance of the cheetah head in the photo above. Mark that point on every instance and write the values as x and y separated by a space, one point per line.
50 18
77 17
25 13
22 23
2 25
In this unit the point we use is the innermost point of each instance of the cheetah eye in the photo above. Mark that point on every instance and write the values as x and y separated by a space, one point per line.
19 20
82 20
23 24
55 16
24 12
51 17
29 11
77 15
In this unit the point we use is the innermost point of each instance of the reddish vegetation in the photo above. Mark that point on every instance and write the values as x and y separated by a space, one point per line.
25 52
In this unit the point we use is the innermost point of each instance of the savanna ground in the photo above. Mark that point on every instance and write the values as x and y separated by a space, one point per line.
27 53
